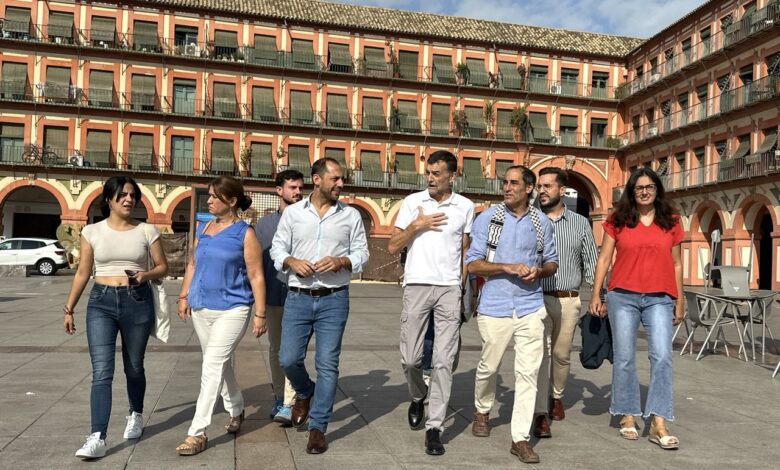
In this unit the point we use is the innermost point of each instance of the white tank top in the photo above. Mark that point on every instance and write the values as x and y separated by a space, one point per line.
115 251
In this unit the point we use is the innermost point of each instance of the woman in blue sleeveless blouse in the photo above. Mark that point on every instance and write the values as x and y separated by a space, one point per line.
224 277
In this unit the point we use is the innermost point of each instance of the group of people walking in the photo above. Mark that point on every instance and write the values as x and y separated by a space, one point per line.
295 267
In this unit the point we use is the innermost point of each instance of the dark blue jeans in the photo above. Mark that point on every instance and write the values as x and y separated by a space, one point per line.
128 311
324 317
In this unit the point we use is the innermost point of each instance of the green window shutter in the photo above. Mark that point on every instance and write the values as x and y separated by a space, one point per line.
373 115
407 117
98 148
225 38
144 36
103 29
262 160
338 54
539 120
57 83
336 110
510 77
142 84
222 160
298 158
502 166
477 73
406 170
743 148
225 91
265 50
408 64
442 69
11 130
440 119
540 130
472 173
303 53
371 166
60 24
504 124
56 138
101 80
13 80
407 108
538 70
300 107
770 140
375 59
263 104
17 20
568 121
476 124
337 154
142 93
140 151
225 100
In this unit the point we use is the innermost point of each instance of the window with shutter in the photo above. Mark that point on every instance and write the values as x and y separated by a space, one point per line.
184 96
140 154
598 84
265 52
440 119
375 62
13 81
225 100
261 160
598 131
11 142
57 89
98 149
502 166
17 22
226 45
339 59
408 121
406 170
770 142
142 93
264 105
56 139
504 124
300 108
476 123
101 89
182 160
103 32
569 79
222 160
477 74
337 154
373 115
408 65
472 174
298 158
510 77
442 69
538 79
371 167
60 28
145 36
336 111
568 129
743 148
303 54
540 130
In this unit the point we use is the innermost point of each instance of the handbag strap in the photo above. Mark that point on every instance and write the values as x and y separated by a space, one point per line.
149 259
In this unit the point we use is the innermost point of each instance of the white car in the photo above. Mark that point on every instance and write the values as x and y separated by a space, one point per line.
45 254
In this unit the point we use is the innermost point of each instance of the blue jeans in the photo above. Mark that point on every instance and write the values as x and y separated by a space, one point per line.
129 311
655 311
325 317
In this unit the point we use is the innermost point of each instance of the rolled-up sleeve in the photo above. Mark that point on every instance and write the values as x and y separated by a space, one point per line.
550 254
281 246
478 247
358 245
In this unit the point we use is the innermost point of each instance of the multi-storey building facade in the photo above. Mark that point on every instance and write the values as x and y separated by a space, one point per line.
175 92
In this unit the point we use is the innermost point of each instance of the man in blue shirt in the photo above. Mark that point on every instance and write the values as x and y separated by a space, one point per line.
512 249
289 186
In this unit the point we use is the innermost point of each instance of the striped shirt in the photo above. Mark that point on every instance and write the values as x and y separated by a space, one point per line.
576 253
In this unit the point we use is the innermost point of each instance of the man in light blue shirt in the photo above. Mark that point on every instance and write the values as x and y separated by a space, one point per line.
512 250
318 244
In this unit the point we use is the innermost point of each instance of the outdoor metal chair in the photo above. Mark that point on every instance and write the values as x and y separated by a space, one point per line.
708 312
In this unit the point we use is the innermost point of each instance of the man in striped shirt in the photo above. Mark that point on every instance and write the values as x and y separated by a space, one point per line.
577 257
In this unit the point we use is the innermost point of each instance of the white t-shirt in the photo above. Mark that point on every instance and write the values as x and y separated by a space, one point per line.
115 250
435 257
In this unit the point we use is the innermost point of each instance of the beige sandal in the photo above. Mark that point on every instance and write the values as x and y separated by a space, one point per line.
192 445
233 424
628 428
660 436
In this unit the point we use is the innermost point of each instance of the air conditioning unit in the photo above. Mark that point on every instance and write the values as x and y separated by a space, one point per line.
76 160
192 50
555 89
652 131
556 139
655 77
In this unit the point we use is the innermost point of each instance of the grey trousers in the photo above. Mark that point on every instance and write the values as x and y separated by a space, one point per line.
418 301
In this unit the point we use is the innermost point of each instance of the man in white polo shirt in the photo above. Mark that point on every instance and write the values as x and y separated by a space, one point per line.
434 224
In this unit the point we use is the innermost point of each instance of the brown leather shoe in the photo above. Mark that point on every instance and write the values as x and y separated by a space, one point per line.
524 452
317 443
541 427
300 411
480 426
556 410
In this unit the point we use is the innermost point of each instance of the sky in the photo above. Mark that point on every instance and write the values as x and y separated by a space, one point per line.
635 18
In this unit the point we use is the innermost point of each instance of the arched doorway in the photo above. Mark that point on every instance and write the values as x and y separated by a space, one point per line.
579 197
30 211
94 215
180 218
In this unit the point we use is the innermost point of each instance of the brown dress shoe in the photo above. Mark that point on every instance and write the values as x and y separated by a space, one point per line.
480 426
317 443
556 410
300 411
541 427
524 452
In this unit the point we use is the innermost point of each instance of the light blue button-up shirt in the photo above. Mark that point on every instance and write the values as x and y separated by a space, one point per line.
302 234
504 294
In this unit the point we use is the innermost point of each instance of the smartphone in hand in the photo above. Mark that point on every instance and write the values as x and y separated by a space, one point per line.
130 279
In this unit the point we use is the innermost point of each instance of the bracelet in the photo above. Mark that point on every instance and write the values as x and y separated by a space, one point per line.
260 316
67 311
183 296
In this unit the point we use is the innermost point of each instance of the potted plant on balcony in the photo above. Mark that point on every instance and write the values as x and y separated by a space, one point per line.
245 160
612 142
460 122
519 122
488 113
462 73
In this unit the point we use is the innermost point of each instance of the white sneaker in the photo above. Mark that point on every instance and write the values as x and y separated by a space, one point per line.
135 426
93 448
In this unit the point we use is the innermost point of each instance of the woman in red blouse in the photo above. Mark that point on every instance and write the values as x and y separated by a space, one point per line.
645 286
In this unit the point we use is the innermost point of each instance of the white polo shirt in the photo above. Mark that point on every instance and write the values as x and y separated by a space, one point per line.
435 257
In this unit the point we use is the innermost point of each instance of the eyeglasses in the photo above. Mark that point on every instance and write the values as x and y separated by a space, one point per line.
650 188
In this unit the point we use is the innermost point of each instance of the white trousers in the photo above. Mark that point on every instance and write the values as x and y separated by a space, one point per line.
219 332
528 334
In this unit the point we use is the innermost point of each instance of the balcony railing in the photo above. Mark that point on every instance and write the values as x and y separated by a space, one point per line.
763 89
740 30
735 169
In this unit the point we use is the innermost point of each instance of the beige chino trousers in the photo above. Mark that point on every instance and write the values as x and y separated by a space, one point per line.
563 314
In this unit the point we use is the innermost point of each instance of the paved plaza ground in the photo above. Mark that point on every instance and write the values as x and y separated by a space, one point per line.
727 410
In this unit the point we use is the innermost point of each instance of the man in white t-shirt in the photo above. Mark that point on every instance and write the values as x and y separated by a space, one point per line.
434 224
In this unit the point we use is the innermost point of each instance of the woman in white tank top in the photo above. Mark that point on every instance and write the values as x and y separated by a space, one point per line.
120 302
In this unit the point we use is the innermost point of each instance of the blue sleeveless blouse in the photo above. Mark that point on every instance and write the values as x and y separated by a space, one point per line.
220 281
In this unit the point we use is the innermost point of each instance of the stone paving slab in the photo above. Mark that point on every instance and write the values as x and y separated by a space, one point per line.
726 409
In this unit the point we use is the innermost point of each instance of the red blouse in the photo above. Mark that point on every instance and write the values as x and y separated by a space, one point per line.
643 259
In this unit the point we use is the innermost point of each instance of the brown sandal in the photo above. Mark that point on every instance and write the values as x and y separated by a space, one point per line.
233 424
192 445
